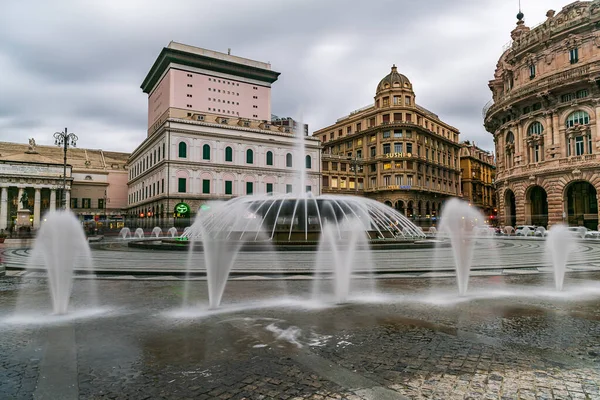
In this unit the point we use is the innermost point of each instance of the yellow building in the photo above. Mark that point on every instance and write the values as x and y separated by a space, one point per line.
393 151
478 170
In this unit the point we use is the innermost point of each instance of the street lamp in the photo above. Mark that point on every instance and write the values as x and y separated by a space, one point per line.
354 164
65 139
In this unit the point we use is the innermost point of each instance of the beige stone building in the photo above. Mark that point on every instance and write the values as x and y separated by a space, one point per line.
393 151
96 182
546 100
478 171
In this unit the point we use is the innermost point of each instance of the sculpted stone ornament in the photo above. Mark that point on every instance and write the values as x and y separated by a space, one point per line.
32 146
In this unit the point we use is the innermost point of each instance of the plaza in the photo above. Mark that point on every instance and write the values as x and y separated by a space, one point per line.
511 337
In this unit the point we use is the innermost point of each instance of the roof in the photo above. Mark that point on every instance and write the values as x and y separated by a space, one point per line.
87 159
197 57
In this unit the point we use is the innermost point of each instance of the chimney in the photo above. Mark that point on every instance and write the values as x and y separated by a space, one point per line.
229 51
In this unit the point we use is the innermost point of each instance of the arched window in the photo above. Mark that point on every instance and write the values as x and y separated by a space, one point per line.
579 117
182 150
510 138
308 162
206 152
249 156
288 160
535 128
228 154
269 158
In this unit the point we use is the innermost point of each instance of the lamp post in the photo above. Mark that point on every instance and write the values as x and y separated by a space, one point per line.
65 140
354 163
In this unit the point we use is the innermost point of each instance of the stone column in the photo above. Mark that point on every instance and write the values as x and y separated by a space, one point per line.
67 199
4 208
555 130
36 208
52 199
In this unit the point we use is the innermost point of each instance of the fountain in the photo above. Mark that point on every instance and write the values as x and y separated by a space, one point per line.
559 245
139 233
458 223
172 232
124 233
342 249
60 246
157 231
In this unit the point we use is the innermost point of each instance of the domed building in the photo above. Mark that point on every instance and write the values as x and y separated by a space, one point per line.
546 99
393 151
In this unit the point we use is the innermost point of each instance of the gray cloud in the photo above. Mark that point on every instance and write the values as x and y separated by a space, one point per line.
80 64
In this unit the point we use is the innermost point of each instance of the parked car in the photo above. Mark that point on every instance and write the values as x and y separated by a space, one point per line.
584 233
540 231
525 230
485 231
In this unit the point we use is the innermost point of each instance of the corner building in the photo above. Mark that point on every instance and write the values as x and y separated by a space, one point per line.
393 151
546 101
210 137
478 171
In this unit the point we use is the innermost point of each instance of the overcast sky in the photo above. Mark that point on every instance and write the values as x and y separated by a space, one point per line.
79 64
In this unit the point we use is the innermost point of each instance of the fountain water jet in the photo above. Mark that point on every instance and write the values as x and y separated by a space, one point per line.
60 246
559 245
139 233
459 220
157 231
343 249
172 232
124 233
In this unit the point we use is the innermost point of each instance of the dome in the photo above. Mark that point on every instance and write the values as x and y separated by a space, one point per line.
394 80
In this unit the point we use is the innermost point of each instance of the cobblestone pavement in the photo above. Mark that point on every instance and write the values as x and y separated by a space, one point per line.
419 342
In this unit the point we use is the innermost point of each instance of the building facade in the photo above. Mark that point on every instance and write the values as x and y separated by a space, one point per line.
478 172
222 146
393 151
96 184
546 100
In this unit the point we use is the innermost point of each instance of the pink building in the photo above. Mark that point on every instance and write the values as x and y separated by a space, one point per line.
199 80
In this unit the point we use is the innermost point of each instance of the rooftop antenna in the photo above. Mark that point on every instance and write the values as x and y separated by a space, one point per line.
229 49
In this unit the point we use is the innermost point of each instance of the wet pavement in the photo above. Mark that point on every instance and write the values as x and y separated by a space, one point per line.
513 337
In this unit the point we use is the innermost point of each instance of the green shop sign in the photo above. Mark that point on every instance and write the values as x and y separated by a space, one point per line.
182 210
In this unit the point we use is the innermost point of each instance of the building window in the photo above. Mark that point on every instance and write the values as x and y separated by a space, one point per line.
386 134
399 180
397 147
373 167
249 156
249 187
269 188
566 97
536 153
206 152
288 188
409 180
532 71
73 202
386 118
308 189
269 158
334 182
387 166
181 185
182 150
582 93
162 185
386 148
373 182
535 128
358 127
348 130
101 204
387 180
228 187
308 162
589 140
205 186
397 101
386 102
574 55
578 146
228 154
373 151
409 148
578 118
288 160
358 153
398 133
86 203
407 100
